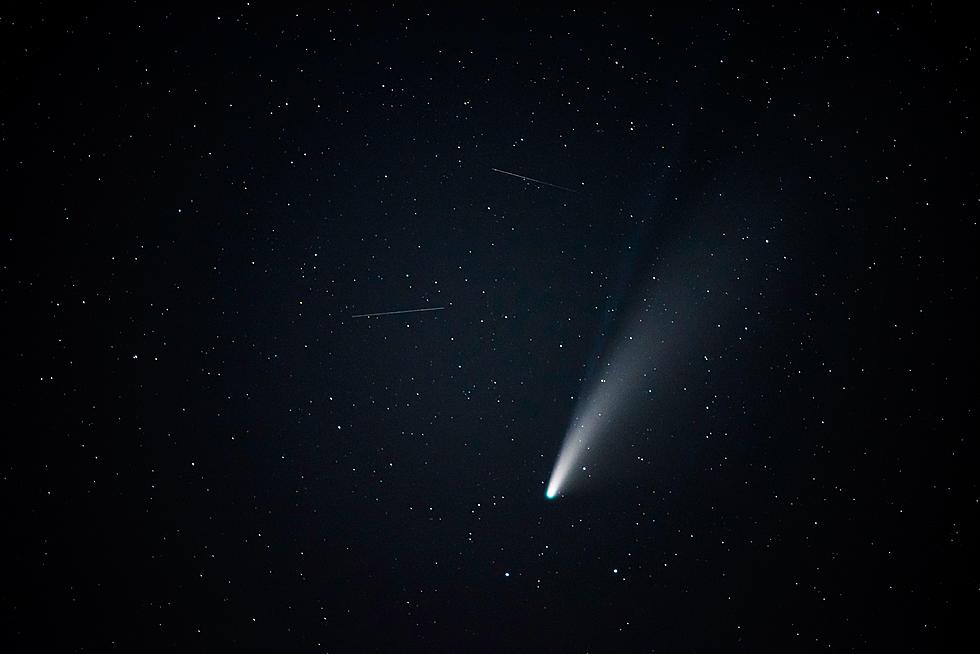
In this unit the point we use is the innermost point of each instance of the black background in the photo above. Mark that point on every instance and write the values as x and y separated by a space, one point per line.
204 451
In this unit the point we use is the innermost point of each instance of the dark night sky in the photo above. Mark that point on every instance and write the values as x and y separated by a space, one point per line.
205 451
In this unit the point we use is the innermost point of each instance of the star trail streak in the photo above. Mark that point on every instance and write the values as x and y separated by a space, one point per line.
395 313
535 181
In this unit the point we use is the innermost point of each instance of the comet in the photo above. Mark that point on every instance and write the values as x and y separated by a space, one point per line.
681 314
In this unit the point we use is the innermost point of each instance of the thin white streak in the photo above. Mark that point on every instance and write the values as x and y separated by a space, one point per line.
536 181
392 313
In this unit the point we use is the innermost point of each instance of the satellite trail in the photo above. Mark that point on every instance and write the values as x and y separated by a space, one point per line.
531 179
392 313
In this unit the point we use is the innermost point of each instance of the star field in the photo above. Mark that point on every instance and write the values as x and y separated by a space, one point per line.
745 236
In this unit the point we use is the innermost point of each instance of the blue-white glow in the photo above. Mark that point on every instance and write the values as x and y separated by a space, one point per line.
677 319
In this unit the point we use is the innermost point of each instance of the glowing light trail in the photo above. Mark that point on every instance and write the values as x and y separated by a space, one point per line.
531 179
393 313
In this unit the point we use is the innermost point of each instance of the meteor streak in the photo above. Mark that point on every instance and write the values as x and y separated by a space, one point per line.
531 179
392 313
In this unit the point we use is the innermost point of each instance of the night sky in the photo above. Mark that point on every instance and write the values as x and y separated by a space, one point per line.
756 250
